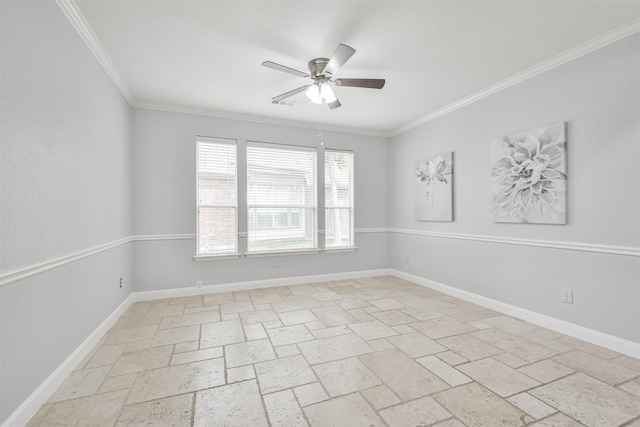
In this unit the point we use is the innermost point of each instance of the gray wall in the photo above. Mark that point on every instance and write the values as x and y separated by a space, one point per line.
598 95
69 144
66 187
165 200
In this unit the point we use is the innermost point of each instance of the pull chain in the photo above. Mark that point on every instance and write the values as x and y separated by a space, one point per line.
320 129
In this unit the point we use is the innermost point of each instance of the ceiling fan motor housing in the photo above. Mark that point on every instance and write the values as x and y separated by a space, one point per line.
317 66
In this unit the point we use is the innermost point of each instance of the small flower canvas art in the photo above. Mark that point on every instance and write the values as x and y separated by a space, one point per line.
529 176
434 188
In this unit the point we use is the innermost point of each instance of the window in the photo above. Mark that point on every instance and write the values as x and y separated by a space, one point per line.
281 198
217 197
338 199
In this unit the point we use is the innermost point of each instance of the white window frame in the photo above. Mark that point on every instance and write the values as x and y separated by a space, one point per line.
329 208
250 229
202 256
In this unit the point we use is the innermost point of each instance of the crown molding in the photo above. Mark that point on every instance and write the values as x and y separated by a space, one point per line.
72 12
74 15
255 119
596 43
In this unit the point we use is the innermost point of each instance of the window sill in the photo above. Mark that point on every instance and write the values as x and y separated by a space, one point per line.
279 253
200 258
342 249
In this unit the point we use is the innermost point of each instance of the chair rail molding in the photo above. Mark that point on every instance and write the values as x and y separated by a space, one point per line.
42 266
571 246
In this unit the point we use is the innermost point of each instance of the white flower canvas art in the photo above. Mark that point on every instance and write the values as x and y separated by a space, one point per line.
434 188
529 176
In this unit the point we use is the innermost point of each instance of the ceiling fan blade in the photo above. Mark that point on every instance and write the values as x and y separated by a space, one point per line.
368 83
279 67
339 57
334 104
277 99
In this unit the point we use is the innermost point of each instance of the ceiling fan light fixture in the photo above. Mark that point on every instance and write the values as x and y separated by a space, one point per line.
314 94
327 93
320 93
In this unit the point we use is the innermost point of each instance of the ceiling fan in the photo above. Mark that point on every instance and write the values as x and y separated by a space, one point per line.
321 71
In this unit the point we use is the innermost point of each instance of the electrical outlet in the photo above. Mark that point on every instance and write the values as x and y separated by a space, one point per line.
198 283
567 296
274 264
121 283
405 260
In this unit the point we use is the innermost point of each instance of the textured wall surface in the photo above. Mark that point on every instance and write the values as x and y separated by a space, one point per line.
598 96
66 186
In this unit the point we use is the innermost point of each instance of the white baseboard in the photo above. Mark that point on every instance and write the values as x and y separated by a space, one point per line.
39 397
29 407
611 342
257 284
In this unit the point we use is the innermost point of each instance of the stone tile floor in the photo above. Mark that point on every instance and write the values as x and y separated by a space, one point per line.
378 351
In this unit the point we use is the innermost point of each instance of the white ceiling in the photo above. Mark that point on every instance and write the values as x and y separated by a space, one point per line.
205 56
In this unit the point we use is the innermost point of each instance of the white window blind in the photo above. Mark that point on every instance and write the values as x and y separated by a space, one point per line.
338 199
281 198
217 196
